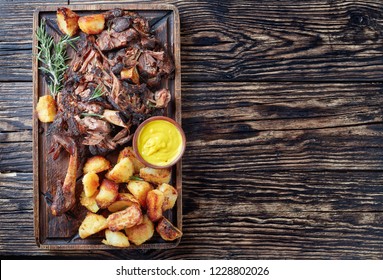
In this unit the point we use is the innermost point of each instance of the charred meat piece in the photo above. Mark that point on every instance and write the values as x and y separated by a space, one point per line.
109 40
162 98
64 198
121 23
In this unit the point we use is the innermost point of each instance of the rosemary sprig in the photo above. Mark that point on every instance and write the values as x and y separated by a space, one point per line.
135 178
53 56
98 92
92 115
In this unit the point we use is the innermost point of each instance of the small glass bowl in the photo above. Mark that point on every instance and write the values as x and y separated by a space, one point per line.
138 131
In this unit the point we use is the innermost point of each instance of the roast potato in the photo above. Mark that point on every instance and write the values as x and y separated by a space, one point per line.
89 202
127 218
116 239
155 176
92 224
108 193
96 164
121 172
141 233
46 108
131 74
139 189
167 230
92 24
90 182
170 196
67 21
129 153
154 201
123 201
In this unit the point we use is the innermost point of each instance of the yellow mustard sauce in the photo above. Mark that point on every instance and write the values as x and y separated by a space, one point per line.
159 142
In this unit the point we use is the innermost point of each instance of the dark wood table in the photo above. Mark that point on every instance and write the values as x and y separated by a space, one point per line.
283 112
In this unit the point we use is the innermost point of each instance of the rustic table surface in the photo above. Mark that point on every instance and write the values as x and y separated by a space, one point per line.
283 111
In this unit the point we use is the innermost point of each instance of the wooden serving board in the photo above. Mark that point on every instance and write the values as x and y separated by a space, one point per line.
60 232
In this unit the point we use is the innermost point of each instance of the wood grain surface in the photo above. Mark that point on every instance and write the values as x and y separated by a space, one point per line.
282 109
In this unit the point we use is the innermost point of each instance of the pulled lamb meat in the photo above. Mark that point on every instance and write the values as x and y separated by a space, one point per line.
97 110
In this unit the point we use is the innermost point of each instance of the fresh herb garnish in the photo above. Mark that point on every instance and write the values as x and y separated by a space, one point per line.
53 56
98 92
135 178
92 115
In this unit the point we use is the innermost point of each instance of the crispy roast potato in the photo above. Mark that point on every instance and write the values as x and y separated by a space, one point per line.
170 196
129 153
121 172
96 164
67 21
108 194
116 239
154 201
139 189
167 230
89 202
131 74
155 176
90 182
141 233
92 24
92 224
46 109
123 201
127 218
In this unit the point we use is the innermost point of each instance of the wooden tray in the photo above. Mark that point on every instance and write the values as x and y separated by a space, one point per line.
60 232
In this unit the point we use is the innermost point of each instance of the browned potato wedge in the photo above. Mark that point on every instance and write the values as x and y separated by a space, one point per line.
121 172
92 24
154 201
123 201
108 193
89 202
96 164
116 239
140 189
167 230
129 153
92 224
131 74
127 218
46 109
90 182
156 176
67 21
170 196
142 232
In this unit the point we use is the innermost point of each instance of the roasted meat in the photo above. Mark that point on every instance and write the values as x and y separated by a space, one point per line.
98 110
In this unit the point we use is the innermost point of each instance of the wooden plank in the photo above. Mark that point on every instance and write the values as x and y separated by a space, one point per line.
15 107
16 157
310 41
230 108
247 229
17 136
275 192
267 127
